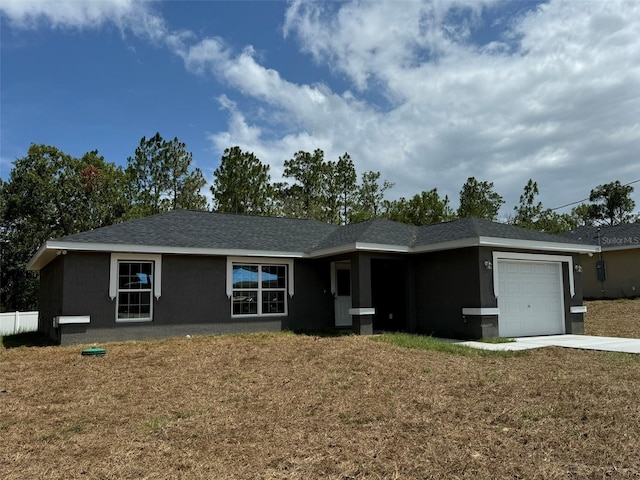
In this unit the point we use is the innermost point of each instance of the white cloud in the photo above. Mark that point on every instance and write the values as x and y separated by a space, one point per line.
132 15
555 97
60 13
552 99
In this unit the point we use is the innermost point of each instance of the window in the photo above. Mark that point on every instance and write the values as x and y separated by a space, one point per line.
259 289
134 280
135 290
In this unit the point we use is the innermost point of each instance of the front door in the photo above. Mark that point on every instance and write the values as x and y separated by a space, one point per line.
342 293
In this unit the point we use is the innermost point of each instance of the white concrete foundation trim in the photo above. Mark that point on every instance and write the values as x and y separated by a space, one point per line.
362 311
71 320
481 311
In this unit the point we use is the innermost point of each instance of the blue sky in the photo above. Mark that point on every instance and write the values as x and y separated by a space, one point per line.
427 93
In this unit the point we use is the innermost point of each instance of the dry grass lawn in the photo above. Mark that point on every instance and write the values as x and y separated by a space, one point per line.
285 406
613 318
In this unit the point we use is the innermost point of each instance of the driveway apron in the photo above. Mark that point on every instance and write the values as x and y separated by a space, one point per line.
584 342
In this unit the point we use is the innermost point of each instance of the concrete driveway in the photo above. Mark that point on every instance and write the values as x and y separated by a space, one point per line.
585 342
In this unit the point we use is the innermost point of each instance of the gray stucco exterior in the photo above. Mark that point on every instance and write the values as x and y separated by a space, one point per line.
446 282
193 300
441 284
399 282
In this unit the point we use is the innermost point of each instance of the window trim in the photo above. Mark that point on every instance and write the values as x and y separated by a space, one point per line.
260 261
149 290
113 273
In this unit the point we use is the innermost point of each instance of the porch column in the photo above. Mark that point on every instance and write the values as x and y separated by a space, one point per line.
362 310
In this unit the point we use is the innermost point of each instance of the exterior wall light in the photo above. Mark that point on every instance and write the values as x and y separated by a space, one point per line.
488 265
578 268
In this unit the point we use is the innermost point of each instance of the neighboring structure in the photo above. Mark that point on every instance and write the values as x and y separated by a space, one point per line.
615 271
187 272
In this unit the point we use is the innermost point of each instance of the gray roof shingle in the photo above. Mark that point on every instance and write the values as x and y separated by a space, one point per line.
475 227
191 229
378 231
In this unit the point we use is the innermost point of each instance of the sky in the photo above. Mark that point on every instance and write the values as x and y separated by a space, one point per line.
428 93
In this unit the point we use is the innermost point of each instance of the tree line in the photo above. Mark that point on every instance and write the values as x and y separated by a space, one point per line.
329 191
51 194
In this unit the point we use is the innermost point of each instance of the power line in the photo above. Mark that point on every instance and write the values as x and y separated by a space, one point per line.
587 199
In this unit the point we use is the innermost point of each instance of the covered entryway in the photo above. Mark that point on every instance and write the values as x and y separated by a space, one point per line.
531 299
389 295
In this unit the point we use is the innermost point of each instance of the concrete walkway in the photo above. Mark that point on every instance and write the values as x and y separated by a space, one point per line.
585 342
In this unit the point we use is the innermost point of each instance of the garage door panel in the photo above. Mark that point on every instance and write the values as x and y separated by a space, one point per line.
530 298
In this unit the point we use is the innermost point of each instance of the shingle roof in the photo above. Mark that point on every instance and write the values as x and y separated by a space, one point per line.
184 231
475 227
184 228
627 234
379 231
190 229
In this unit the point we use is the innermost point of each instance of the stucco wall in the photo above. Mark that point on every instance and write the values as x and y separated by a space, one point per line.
311 307
50 298
622 274
86 287
445 283
193 293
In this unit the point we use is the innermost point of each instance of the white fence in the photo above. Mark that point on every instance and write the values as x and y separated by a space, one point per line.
18 322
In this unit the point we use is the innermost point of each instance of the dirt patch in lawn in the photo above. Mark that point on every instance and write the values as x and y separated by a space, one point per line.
613 318
298 407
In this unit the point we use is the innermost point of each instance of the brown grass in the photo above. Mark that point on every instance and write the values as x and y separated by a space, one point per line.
292 407
613 318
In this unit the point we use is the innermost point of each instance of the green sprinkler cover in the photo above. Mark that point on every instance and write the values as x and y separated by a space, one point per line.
94 352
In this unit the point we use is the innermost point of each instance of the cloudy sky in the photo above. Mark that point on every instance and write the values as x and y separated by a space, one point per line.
426 92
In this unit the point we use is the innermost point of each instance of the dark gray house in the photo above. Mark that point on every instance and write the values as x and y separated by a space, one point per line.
187 272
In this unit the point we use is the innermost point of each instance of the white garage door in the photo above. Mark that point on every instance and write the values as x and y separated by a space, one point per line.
530 298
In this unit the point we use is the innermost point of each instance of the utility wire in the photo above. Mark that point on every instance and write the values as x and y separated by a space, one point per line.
587 199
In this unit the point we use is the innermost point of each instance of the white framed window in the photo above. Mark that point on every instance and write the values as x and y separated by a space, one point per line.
259 287
135 290
134 282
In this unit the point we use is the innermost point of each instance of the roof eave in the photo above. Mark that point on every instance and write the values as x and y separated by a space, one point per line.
42 257
53 248
358 247
538 245
506 243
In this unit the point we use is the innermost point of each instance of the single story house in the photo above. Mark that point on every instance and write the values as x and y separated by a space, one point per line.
187 272
615 271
